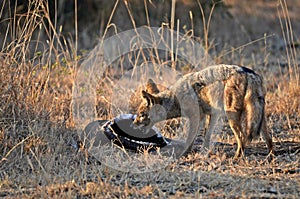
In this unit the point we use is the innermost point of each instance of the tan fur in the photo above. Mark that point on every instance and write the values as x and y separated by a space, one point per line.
151 87
135 99
234 91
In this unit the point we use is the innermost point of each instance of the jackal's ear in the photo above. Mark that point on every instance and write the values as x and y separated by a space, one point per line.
151 99
150 81
151 87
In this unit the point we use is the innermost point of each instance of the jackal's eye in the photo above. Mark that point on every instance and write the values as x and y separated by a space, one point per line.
143 115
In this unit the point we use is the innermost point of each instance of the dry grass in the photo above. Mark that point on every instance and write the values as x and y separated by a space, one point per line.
37 135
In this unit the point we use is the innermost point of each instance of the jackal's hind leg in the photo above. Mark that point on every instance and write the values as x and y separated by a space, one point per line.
235 125
234 93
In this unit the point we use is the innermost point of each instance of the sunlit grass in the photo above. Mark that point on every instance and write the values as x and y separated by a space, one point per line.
38 64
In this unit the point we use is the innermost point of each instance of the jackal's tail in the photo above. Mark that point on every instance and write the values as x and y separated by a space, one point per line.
254 115
254 109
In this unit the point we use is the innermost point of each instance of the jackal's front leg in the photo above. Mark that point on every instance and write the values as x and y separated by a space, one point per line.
206 124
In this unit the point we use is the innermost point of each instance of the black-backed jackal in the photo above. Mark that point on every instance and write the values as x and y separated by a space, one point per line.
232 90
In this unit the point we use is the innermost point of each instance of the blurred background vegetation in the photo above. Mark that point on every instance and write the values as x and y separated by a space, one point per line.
232 24
92 17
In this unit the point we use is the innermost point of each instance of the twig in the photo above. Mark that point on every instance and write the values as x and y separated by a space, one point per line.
14 147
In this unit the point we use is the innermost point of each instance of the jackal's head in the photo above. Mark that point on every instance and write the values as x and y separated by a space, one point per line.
150 111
